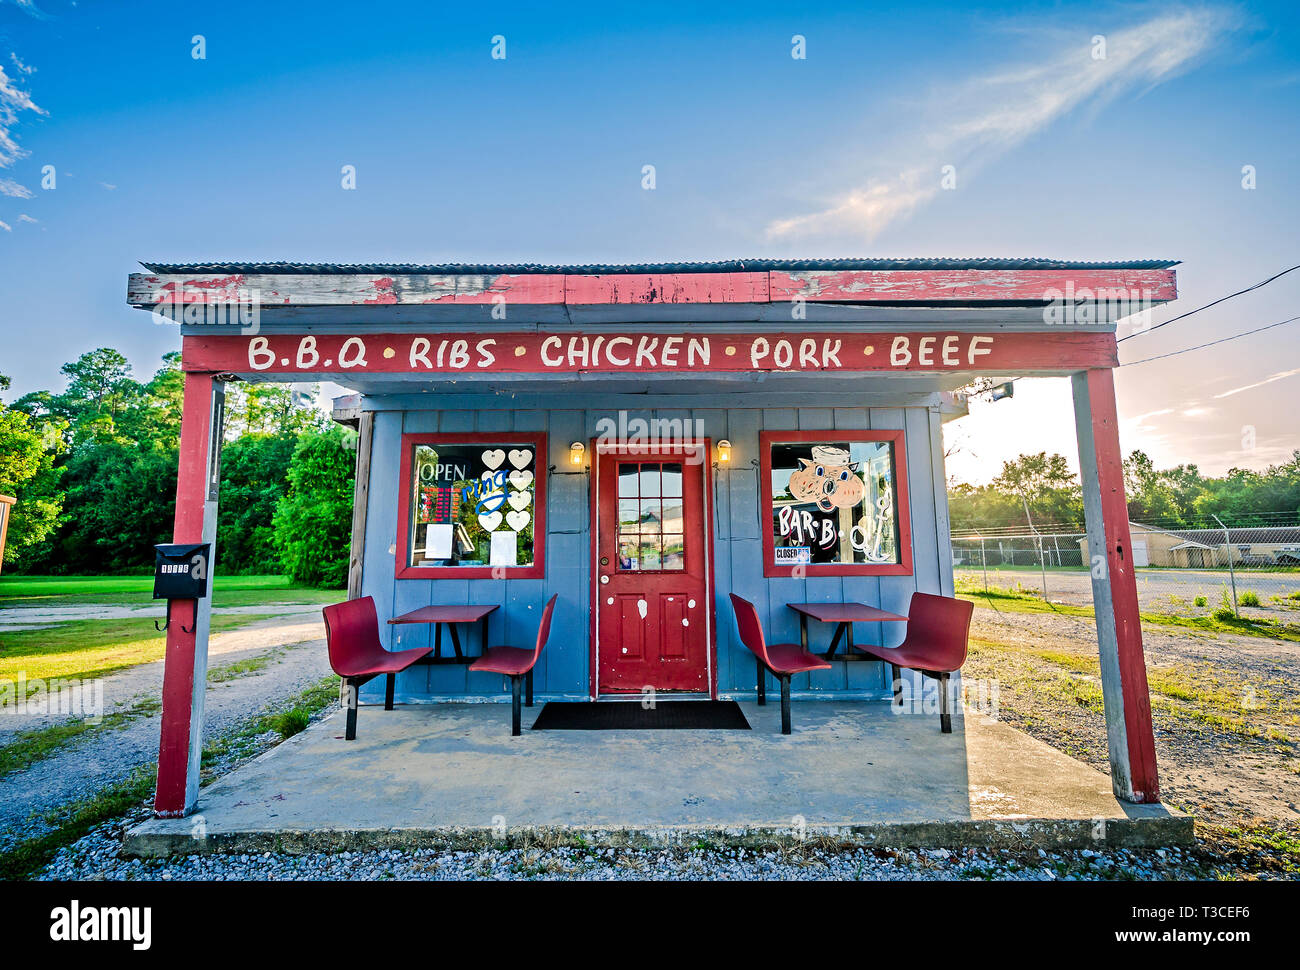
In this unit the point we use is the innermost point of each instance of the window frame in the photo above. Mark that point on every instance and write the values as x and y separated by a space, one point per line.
541 462
902 507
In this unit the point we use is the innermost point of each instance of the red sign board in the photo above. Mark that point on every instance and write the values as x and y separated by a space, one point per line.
573 352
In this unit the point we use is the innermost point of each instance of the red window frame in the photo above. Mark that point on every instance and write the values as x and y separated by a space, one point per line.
541 464
902 509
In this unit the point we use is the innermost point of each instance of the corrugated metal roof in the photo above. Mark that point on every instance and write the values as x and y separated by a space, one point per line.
605 269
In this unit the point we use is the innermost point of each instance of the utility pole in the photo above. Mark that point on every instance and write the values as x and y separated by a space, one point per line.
983 563
1232 575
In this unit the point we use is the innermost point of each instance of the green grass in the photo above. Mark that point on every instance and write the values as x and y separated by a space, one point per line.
90 648
74 820
29 747
26 591
1193 693
1219 621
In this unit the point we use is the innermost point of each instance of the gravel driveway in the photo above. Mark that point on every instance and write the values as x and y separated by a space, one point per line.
296 659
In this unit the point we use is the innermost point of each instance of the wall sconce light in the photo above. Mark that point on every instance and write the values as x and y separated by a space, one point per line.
724 451
576 451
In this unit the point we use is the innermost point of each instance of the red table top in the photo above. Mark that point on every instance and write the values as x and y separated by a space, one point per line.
844 612
445 614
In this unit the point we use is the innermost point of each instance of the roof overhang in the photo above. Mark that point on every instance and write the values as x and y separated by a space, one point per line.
396 332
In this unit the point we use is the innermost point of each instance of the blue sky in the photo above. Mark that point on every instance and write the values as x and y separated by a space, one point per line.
538 157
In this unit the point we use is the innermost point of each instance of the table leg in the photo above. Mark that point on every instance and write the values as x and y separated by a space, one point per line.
455 639
483 635
848 649
803 632
835 640
437 641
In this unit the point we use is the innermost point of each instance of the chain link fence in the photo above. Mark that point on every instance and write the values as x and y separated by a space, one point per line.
1252 570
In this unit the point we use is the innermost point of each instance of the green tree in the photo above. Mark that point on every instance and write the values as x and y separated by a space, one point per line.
1045 484
27 472
313 521
252 484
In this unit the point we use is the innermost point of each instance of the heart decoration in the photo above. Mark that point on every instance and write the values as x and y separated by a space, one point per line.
517 520
493 458
521 480
520 458
490 520
520 500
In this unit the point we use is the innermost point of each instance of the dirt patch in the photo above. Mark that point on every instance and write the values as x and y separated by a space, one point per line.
1226 709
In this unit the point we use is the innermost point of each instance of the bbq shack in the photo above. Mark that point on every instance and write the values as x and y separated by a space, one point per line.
660 466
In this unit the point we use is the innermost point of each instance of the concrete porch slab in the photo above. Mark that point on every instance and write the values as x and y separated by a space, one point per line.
450 775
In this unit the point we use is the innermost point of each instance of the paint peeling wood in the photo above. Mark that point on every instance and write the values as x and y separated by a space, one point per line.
965 285
571 354
858 286
667 288
345 290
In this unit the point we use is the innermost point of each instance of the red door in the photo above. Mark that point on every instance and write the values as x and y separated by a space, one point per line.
653 616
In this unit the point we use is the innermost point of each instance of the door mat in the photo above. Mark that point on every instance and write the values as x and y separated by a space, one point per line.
631 716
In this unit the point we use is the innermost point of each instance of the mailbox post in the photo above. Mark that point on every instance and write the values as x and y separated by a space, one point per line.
180 572
186 671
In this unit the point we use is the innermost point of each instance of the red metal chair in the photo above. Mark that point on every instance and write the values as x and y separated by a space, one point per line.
517 664
938 628
352 632
782 659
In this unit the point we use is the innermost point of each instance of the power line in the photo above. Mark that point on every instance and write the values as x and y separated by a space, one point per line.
1221 299
1221 340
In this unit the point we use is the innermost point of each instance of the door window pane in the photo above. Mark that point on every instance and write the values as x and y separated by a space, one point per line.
672 483
674 556
650 552
651 529
628 553
627 477
672 517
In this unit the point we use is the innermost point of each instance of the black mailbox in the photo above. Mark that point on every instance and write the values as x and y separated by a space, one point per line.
180 571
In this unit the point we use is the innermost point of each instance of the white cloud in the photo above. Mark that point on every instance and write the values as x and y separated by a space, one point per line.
13 101
1268 380
19 66
5 226
108 185
985 117
14 190
24 217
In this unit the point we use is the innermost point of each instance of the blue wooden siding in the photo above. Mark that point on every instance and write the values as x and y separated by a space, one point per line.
737 554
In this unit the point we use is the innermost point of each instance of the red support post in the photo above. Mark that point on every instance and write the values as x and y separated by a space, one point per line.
185 670
1127 700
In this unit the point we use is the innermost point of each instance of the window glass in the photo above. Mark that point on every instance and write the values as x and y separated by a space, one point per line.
650 521
472 505
833 502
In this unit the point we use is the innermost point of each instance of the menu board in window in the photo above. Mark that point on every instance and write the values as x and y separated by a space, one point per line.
472 504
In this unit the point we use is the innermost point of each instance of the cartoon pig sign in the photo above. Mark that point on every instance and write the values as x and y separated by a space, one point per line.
828 479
